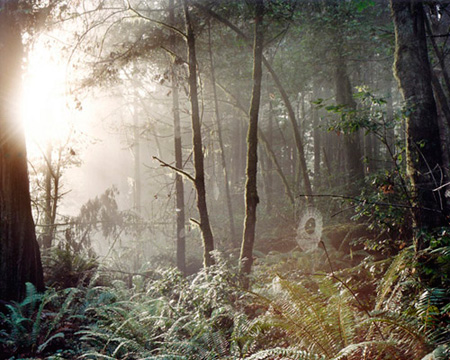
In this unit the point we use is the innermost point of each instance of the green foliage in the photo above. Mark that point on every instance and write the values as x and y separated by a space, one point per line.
173 317
308 314
385 208
40 324
325 318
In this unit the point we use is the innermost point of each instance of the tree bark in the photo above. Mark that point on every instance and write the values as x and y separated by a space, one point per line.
179 186
352 143
20 260
424 157
205 227
251 191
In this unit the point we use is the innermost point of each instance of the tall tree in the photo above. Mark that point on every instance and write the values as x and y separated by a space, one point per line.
424 157
251 191
199 180
352 142
20 260
179 186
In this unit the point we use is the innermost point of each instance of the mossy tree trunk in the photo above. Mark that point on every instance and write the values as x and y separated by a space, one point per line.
251 191
20 260
424 157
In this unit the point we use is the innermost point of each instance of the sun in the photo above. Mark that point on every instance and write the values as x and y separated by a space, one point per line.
44 113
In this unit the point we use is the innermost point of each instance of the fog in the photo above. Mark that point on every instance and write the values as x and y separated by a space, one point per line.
110 77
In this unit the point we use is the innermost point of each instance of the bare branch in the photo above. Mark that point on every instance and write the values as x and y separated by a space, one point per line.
173 28
179 171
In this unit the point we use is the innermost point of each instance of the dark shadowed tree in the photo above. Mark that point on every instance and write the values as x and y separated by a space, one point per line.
19 253
424 156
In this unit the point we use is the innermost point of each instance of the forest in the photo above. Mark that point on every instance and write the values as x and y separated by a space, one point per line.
225 179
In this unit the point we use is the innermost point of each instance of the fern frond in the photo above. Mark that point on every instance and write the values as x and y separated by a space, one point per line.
390 285
355 350
285 354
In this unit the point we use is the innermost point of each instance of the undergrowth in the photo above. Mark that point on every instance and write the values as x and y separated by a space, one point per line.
316 312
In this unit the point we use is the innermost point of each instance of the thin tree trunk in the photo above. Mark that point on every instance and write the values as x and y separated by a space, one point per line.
221 145
389 132
251 192
269 177
297 136
205 227
20 260
179 186
317 142
424 157
48 236
137 160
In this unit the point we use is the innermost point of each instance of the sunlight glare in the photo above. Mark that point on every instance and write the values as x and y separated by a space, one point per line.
43 105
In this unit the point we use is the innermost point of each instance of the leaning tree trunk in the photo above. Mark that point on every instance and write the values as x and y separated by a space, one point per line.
199 182
424 157
251 192
20 260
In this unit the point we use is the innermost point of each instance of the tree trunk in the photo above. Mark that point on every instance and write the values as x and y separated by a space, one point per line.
47 237
424 157
205 227
389 132
317 143
269 150
269 177
221 145
251 192
284 96
352 143
297 136
20 260
137 160
179 186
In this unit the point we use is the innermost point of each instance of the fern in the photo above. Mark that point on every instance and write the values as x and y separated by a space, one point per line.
40 322
324 319
390 288
285 354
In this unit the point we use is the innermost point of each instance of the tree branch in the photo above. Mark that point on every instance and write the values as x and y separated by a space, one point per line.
173 28
179 171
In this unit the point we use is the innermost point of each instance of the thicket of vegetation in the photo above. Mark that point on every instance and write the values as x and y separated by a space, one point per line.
288 197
